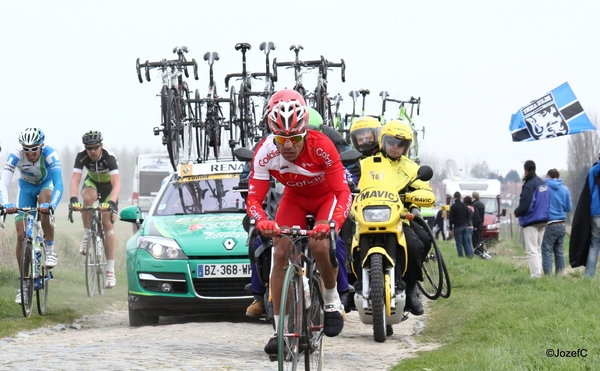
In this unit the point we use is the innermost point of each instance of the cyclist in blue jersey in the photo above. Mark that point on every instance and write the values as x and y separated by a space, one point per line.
102 183
40 183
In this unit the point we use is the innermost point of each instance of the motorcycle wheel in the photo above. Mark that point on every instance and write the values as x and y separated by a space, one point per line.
377 297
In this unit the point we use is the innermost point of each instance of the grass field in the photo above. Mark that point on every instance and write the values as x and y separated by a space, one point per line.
67 298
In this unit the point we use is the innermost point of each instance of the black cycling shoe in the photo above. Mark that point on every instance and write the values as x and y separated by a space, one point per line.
334 319
413 304
271 347
347 300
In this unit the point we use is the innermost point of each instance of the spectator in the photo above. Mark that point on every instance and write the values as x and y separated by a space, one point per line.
478 225
471 221
533 224
554 237
438 225
594 183
459 222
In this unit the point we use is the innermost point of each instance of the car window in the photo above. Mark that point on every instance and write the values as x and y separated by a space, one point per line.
491 206
200 197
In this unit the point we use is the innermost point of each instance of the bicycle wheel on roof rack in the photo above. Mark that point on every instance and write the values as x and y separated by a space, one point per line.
171 121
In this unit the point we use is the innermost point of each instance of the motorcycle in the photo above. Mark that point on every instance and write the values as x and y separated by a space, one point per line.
379 211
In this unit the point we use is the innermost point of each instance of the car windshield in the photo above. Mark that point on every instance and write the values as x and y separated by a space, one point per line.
491 206
200 197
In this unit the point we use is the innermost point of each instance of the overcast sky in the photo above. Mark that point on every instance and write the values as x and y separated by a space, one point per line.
69 66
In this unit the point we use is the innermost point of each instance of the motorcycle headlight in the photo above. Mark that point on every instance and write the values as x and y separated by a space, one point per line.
377 213
492 227
161 248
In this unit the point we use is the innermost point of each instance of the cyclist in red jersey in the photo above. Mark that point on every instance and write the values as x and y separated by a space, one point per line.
307 163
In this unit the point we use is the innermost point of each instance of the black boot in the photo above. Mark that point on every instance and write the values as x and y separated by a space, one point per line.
413 304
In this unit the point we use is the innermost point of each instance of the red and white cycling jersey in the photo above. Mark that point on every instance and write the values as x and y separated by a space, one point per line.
316 172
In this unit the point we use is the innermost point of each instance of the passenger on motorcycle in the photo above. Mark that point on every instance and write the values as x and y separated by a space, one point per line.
395 140
364 133
308 165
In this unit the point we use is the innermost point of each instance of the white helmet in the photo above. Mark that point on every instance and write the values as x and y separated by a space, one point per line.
31 137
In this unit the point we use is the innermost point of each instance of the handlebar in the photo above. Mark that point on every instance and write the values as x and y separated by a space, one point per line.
294 233
28 210
91 209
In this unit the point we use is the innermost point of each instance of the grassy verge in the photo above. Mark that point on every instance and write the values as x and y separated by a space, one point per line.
498 318
67 297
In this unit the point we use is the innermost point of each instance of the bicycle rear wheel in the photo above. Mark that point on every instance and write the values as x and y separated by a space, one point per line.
431 286
26 280
101 264
446 287
90 265
314 353
41 287
290 320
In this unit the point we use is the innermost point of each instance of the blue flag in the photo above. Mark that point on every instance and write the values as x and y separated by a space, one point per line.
556 113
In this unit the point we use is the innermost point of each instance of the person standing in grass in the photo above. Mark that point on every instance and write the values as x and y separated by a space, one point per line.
532 220
593 184
459 223
554 236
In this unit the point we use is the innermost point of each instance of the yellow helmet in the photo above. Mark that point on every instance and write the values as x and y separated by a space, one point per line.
395 133
363 133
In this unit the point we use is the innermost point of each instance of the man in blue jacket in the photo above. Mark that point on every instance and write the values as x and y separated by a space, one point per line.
554 236
534 226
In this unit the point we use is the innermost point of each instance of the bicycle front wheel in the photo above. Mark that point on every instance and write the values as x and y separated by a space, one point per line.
101 265
41 285
315 317
90 265
431 286
26 281
290 319
172 125
446 287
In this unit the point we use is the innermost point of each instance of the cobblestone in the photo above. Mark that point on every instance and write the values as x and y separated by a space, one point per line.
107 342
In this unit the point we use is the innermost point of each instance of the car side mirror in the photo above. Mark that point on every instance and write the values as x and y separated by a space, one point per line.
503 212
131 214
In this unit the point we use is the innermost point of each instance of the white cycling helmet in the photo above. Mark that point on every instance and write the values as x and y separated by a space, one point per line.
31 137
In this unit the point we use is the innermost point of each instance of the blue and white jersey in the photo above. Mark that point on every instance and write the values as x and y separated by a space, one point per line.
47 167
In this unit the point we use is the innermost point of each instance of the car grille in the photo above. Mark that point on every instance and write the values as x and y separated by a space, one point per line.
221 287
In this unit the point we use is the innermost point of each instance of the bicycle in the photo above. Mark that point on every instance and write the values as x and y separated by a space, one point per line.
301 323
436 280
321 100
173 93
299 67
413 152
214 120
34 276
95 255
247 121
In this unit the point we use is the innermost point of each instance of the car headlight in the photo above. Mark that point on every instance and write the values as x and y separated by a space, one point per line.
377 213
161 248
491 227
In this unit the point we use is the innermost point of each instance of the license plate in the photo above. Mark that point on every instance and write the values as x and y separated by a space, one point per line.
223 270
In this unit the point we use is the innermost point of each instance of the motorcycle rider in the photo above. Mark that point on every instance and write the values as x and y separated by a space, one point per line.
364 133
395 140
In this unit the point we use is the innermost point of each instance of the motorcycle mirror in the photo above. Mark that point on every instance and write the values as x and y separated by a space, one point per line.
425 173
243 154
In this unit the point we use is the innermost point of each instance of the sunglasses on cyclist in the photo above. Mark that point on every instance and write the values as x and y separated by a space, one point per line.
92 148
31 149
280 139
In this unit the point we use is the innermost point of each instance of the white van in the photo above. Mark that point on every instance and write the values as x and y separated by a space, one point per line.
150 170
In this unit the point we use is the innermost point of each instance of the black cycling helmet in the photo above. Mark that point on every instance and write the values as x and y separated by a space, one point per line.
92 137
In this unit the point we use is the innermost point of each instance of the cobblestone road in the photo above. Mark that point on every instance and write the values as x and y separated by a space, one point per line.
106 342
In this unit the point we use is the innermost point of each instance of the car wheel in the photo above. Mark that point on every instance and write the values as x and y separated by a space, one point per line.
137 318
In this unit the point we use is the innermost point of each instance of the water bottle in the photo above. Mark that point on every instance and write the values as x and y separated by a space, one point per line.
37 282
306 292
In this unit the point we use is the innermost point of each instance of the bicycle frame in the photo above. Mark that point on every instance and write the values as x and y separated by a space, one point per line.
403 115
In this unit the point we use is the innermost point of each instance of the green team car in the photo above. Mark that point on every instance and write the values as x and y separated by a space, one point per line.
189 255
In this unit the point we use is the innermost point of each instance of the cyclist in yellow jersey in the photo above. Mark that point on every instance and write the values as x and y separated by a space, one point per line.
102 183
